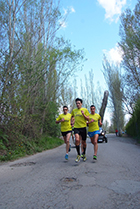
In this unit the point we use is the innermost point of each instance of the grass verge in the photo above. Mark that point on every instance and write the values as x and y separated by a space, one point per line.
28 147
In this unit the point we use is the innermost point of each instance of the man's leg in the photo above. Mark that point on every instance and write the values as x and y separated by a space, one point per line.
77 143
73 138
77 140
81 146
84 144
64 137
67 141
94 140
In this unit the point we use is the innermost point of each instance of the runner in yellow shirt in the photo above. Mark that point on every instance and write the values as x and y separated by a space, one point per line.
66 129
93 130
80 115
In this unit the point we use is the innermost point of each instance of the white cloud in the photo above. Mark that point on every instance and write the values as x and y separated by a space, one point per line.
65 11
68 10
63 24
72 9
113 8
114 55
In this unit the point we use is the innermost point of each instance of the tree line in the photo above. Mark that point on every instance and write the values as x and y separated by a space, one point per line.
35 66
124 80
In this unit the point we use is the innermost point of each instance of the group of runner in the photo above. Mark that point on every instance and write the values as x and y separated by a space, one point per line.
80 118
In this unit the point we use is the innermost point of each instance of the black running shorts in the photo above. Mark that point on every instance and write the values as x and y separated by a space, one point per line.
65 133
82 132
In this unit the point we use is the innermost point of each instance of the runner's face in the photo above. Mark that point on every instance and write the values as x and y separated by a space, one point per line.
78 104
92 110
65 110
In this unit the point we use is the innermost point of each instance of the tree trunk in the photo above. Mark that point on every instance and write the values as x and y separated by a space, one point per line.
104 104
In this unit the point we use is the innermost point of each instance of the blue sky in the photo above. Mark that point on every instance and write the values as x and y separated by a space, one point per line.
94 26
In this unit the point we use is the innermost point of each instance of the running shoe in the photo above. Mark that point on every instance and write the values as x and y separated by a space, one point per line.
94 157
84 158
66 157
77 160
82 155
70 148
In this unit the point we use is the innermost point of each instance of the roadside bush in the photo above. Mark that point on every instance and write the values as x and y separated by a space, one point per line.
28 147
132 127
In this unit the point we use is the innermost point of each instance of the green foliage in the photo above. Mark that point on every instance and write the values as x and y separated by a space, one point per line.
47 142
132 127
3 141
50 127
3 136
130 46
34 66
28 147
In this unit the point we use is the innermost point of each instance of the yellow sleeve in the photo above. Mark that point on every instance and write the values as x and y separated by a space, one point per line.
59 118
87 113
72 113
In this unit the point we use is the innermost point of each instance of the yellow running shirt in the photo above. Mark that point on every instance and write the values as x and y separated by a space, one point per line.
94 125
80 121
66 124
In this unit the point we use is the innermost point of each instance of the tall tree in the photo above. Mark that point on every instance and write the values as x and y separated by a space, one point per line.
115 85
130 45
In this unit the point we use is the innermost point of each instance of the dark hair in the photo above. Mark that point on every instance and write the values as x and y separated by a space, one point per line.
65 107
92 106
77 99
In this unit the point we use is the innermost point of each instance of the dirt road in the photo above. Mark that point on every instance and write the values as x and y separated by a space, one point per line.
45 180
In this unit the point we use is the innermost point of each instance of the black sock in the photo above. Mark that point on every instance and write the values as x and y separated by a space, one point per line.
78 149
84 148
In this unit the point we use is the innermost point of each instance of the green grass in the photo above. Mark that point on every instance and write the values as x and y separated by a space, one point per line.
28 147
